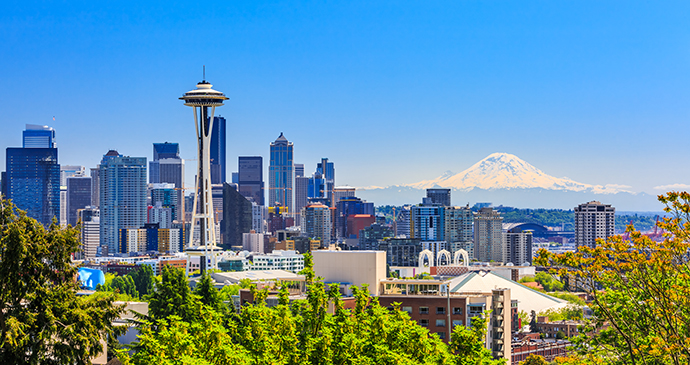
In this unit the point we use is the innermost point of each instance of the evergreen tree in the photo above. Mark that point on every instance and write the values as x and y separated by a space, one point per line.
143 279
42 320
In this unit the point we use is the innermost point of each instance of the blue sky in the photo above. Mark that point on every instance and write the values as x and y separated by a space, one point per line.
392 92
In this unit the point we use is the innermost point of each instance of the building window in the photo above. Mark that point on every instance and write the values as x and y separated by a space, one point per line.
457 310
441 335
440 323
423 310
440 310
424 322
457 322
407 309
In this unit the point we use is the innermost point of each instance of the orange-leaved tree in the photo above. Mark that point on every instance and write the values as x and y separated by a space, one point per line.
640 290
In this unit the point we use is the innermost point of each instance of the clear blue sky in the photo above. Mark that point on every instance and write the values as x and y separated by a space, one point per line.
392 92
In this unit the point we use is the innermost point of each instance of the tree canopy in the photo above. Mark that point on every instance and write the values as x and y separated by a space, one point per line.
640 290
42 320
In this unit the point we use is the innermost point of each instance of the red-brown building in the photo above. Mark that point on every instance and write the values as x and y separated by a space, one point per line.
547 349
356 222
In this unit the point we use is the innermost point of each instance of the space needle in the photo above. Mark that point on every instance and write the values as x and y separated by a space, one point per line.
203 99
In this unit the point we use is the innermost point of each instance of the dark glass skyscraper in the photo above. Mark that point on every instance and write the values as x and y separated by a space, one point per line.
78 197
218 134
251 178
281 174
33 182
327 171
237 216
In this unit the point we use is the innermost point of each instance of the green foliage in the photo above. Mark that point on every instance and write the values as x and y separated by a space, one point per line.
424 276
208 294
572 298
125 285
42 320
640 290
545 217
548 282
534 360
172 297
641 222
571 312
467 344
301 332
143 279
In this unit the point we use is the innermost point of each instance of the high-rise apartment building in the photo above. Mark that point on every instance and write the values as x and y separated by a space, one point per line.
316 222
517 246
33 175
402 222
122 196
439 196
168 167
593 220
218 163
90 232
281 174
78 197
427 223
251 178
165 195
488 235
458 228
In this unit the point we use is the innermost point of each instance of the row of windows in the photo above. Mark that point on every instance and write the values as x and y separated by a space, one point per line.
439 322
439 310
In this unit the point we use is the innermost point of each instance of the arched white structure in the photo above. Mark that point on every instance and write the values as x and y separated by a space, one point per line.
465 258
443 253
429 255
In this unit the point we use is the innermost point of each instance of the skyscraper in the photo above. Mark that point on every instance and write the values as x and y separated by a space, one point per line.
33 175
95 187
327 171
237 216
488 235
439 196
78 197
427 223
90 232
301 190
38 136
316 222
218 136
517 246
168 167
347 207
280 174
67 171
593 220
122 196
458 226
251 178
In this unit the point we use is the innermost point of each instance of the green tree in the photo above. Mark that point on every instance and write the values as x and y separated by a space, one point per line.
534 360
467 344
124 285
208 294
640 290
548 282
143 279
172 297
42 320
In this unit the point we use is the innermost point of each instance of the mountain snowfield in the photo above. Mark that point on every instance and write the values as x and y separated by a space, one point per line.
506 171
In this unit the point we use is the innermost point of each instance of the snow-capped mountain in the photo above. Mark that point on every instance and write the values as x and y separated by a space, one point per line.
506 171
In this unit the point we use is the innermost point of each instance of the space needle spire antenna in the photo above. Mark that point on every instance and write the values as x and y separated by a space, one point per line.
204 101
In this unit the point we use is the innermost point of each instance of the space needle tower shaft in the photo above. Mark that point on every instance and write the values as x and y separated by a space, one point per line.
204 101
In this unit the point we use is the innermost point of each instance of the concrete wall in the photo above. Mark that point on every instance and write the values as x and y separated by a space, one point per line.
354 267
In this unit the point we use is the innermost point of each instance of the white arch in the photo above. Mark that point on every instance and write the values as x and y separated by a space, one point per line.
429 255
443 253
465 258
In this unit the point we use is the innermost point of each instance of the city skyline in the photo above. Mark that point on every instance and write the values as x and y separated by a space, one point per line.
595 92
